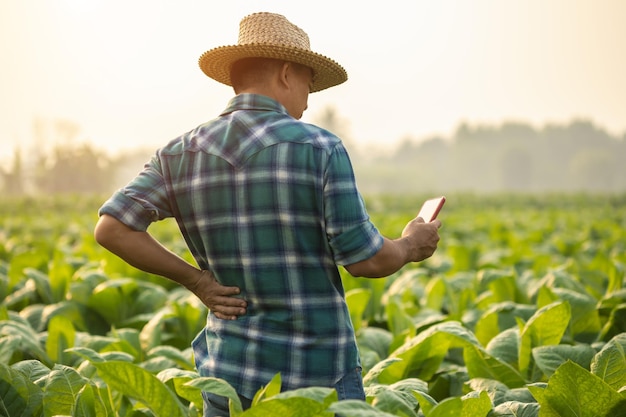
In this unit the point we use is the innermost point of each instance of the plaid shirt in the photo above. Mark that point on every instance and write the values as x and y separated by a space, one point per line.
269 204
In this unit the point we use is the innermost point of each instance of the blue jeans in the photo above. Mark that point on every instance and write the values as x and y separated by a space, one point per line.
350 387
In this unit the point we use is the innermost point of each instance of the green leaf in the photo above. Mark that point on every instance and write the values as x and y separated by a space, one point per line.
515 409
357 300
219 387
505 346
476 405
398 320
501 283
575 392
422 354
545 327
60 275
356 408
398 397
500 317
549 358
376 339
435 294
272 388
426 402
303 402
480 364
138 384
61 391
86 403
610 363
19 396
372 374
61 335
179 378
28 338
585 321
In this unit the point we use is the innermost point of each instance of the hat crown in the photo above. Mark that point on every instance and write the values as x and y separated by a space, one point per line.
271 29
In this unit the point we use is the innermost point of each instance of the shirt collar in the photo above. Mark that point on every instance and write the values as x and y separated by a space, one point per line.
248 101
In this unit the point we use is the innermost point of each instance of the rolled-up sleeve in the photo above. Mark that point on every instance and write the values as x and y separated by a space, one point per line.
142 201
351 234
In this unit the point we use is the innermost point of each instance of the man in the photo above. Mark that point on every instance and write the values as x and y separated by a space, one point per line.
267 205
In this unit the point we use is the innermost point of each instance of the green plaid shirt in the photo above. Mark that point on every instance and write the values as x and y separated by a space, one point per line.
269 204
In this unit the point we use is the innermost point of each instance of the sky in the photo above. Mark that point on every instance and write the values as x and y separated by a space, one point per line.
125 71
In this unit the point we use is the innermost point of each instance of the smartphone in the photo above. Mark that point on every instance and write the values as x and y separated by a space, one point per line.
431 208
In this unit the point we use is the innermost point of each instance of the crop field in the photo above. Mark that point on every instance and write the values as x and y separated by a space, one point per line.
521 312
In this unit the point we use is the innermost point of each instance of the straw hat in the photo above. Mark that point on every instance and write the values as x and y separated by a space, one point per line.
269 35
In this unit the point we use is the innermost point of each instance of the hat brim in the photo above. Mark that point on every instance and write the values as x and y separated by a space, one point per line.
216 63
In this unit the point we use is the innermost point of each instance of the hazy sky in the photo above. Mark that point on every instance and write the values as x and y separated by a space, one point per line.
126 71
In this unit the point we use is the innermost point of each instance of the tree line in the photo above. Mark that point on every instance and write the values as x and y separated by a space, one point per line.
510 157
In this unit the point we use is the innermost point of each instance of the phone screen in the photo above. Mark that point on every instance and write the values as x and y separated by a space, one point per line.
431 208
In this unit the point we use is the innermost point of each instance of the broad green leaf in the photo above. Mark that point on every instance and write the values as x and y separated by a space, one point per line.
398 320
575 392
545 327
515 409
505 346
74 312
549 358
435 294
61 391
42 285
357 300
272 388
178 378
475 405
426 402
61 336
616 324
8 345
173 354
28 338
32 369
449 407
152 333
499 392
585 320
610 363
422 354
89 403
501 283
59 275
21 262
89 354
480 364
356 408
499 318
220 387
376 339
138 384
372 374
395 403
304 402
397 397
19 395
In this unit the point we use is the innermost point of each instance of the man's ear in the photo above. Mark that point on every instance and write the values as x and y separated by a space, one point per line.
285 74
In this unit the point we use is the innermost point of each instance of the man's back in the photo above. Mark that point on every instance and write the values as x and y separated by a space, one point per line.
269 205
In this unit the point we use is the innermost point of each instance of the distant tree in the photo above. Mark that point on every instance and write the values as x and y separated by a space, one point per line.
73 169
13 178
68 166
329 119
